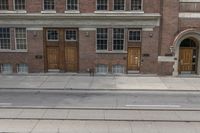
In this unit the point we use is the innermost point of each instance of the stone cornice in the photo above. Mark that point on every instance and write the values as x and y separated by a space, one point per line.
81 20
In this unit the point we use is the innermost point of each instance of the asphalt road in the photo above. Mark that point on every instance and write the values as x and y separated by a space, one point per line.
103 99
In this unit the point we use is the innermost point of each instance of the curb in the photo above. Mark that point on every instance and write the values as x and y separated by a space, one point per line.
82 119
86 89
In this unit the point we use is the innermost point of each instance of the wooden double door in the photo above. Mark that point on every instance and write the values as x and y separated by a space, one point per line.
187 60
61 55
134 58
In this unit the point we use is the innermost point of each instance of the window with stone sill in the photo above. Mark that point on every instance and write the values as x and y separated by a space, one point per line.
118 39
72 5
20 4
102 39
20 37
5 38
3 4
119 5
101 5
136 5
49 4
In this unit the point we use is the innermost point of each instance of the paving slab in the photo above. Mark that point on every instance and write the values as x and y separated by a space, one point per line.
58 78
125 114
56 114
32 113
144 127
82 82
103 83
86 114
47 126
119 127
53 85
10 113
17 126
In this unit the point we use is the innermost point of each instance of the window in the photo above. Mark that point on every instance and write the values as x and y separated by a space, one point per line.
118 39
22 68
49 5
6 68
102 5
20 36
118 69
102 38
136 4
71 35
4 38
101 69
135 35
19 4
72 4
119 5
52 35
3 4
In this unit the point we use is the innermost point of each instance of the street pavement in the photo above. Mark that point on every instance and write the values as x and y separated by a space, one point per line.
84 82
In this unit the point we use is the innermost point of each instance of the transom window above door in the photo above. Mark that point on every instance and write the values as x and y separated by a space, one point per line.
134 35
72 4
136 5
52 35
102 5
71 35
119 5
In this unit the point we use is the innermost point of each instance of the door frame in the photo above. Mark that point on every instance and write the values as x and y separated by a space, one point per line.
139 47
62 44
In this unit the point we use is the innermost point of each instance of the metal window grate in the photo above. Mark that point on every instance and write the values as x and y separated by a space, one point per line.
4 38
3 4
22 68
136 5
119 5
102 38
102 5
49 5
6 68
118 39
19 4
118 69
101 69
21 38
72 4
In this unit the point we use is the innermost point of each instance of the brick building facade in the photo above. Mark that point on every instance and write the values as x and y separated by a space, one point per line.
107 36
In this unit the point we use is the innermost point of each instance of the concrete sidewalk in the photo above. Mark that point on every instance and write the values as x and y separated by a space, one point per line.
98 82
100 114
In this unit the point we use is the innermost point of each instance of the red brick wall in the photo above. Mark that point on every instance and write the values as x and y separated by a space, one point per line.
34 6
150 46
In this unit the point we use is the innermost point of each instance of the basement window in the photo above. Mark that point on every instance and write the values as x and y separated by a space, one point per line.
118 69
22 68
6 68
101 69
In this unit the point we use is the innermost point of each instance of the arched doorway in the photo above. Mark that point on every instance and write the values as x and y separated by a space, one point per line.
188 56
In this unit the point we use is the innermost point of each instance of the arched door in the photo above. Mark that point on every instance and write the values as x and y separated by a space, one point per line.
188 57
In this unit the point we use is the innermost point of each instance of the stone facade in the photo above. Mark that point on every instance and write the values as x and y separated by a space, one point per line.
160 23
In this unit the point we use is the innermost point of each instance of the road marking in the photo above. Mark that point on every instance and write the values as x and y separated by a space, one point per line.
172 106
